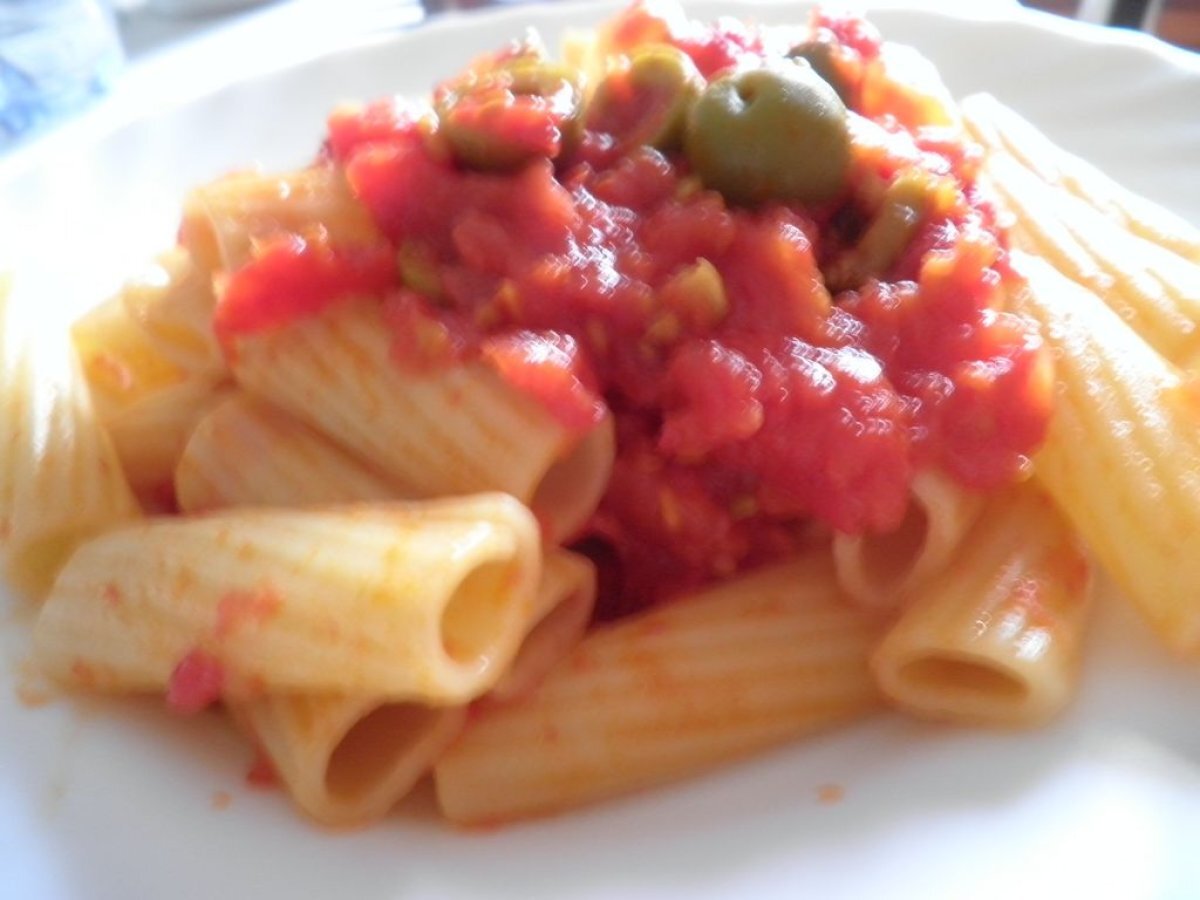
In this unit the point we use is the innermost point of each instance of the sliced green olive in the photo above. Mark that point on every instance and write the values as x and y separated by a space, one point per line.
503 117
822 56
418 270
777 133
647 102
907 204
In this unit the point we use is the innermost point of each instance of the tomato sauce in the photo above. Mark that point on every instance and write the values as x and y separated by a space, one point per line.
762 387
196 682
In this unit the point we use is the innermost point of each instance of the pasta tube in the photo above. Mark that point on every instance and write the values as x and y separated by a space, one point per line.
61 481
565 601
996 637
1122 455
877 570
451 432
1172 281
420 602
710 678
1001 129
224 219
172 302
155 332
1153 290
246 453
122 365
349 759
153 366
151 435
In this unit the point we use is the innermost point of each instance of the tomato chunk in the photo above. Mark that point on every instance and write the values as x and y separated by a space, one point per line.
549 367
293 277
196 682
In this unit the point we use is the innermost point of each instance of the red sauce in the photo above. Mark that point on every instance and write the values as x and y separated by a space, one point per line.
245 609
549 367
262 774
195 683
746 412
296 276
112 596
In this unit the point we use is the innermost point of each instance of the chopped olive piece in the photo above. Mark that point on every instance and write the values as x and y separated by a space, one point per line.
504 117
822 56
907 204
648 101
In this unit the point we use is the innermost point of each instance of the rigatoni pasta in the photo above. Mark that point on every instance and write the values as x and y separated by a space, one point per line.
62 480
151 435
704 680
246 453
1153 290
152 365
996 638
450 432
565 601
1133 495
1002 129
223 220
878 570
407 602
155 333
121 363
172 302
348 759
559 437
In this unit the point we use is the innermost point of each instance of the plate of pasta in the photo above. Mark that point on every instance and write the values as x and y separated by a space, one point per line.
741 450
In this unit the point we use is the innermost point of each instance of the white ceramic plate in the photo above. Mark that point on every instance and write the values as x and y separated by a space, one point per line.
117 800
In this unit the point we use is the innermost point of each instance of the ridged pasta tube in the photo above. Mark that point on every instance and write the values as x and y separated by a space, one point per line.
877 571
223 219
996 637
1001 129
709 678
1122 454
244 452
347 760
60 478
454 431
423 601
1156 292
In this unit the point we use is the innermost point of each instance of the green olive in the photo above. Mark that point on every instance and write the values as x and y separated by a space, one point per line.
907 203
821 55
904 207
501 118
647 102
418 270
777 133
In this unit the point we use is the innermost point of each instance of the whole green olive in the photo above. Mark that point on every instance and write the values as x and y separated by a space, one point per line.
822 56
776 133
647 102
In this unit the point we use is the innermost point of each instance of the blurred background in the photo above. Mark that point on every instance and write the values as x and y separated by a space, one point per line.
147 24
1175 21
58 56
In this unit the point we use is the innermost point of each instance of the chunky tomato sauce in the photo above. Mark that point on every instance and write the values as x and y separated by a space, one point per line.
772 369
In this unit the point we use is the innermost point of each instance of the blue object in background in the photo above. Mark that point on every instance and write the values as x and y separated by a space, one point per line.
56 57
